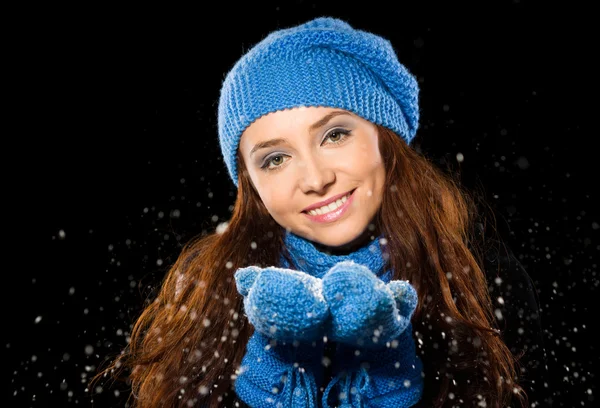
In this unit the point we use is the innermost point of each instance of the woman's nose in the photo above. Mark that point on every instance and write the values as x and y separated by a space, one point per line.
315 175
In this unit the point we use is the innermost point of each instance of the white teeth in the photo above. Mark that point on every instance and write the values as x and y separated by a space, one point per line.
331 207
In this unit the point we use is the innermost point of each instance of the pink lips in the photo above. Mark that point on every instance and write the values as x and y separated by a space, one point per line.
332 215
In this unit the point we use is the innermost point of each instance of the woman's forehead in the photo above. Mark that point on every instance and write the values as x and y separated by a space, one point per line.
305 118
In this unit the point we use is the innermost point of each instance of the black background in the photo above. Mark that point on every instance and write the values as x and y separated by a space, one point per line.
114 162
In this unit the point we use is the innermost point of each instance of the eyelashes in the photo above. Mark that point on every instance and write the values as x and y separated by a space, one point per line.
345 134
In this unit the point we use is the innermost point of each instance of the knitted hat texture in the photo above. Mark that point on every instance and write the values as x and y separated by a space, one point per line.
323 62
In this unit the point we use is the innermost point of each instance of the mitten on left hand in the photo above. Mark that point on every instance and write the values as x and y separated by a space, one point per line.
365 311
375 363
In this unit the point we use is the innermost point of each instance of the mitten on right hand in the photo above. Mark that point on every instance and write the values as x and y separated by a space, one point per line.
283 304
282 365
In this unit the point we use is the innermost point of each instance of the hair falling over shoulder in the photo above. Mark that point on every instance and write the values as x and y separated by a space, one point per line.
187 344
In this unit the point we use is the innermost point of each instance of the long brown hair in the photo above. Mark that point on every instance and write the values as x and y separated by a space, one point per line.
187 344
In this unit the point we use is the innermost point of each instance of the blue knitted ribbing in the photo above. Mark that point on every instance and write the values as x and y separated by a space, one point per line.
307 258
392 379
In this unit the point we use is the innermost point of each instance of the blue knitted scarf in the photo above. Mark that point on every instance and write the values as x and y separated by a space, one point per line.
387 377
393 379
307 258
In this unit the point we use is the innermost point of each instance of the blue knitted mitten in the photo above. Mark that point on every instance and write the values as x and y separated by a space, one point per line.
283 304
282 366
366 311
375 363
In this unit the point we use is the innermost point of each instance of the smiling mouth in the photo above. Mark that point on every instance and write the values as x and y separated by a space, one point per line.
326 209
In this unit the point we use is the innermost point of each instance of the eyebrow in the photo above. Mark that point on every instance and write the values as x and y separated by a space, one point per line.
320 123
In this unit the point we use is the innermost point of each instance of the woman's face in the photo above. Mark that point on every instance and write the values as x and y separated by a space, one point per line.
312 155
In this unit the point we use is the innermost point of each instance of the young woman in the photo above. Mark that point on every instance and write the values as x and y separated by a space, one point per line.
353 272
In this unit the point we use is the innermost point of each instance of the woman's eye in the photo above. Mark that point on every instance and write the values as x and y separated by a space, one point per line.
338 135
335 135
273 160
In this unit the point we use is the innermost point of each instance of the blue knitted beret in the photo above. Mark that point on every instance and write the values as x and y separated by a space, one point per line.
323 62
